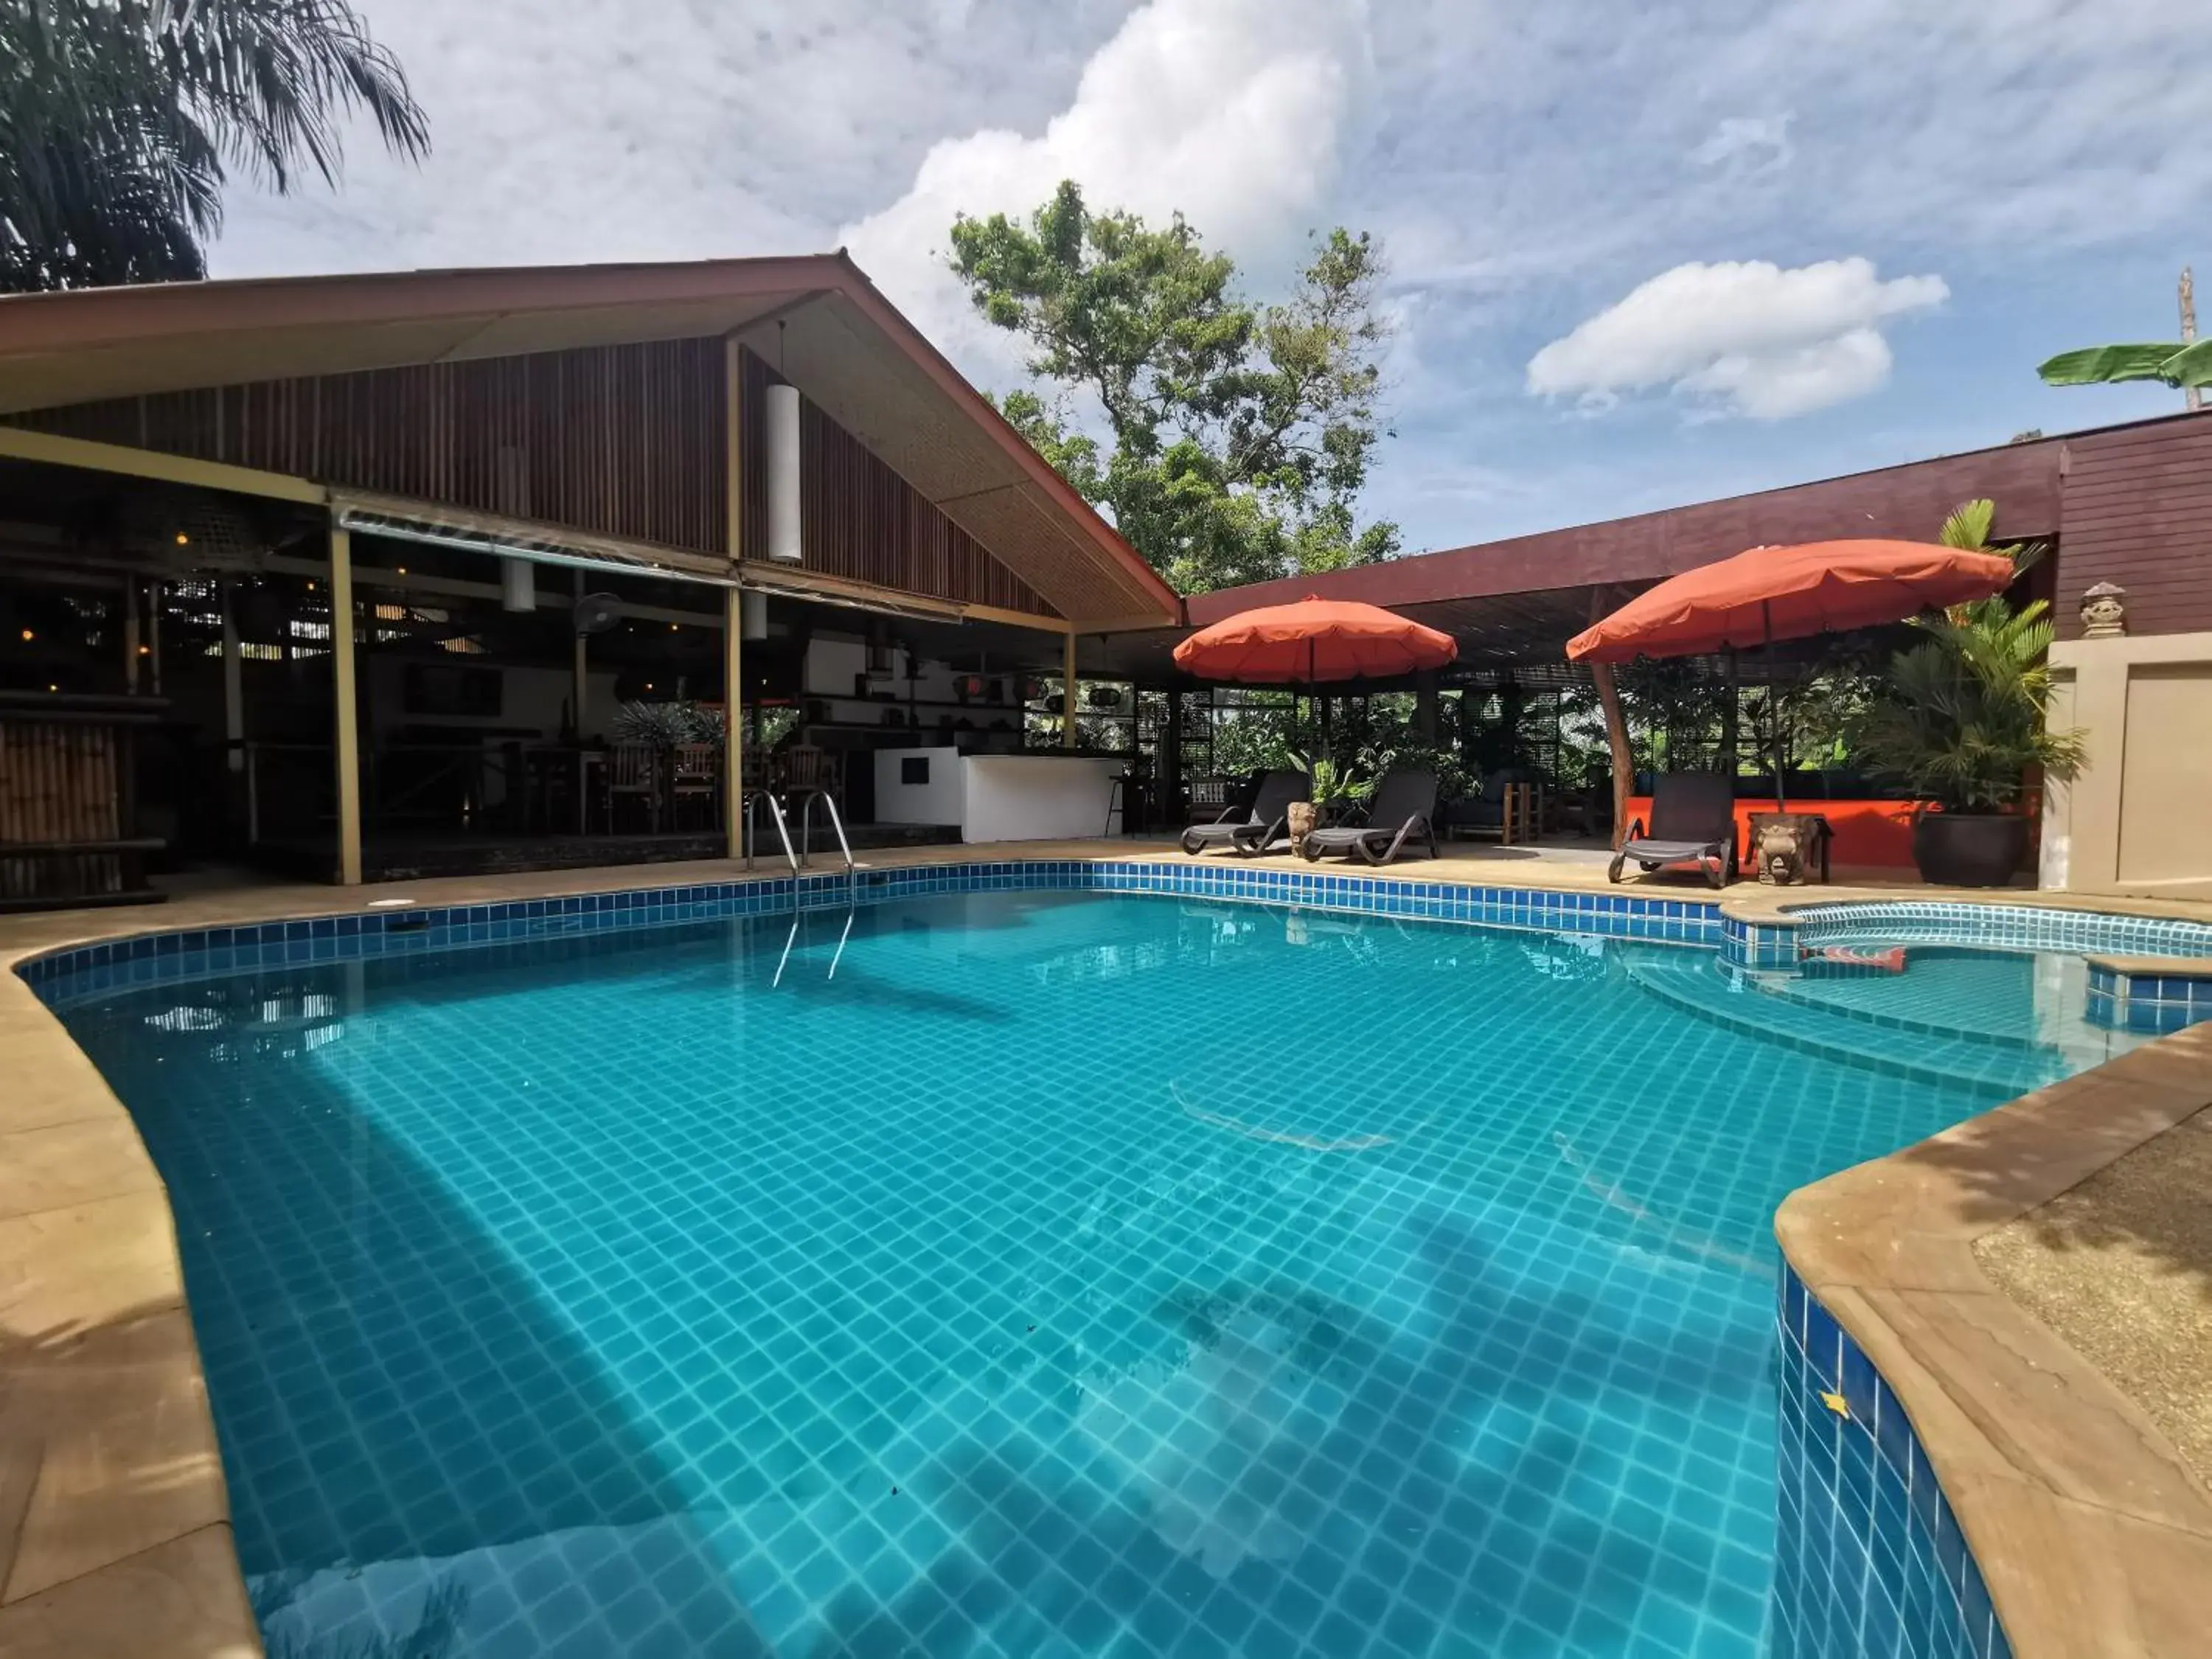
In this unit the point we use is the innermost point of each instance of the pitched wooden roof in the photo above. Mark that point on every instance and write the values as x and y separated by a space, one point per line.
841 342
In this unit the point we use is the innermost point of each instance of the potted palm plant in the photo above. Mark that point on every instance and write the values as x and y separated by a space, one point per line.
1961 720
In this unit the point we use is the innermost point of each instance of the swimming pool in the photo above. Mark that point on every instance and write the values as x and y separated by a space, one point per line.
1017 1271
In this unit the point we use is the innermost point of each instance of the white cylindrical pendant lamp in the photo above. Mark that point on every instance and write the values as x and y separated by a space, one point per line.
752 614
783 507
518 586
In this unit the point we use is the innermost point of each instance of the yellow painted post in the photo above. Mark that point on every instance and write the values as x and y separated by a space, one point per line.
733 630
349 731
1068 694
733 719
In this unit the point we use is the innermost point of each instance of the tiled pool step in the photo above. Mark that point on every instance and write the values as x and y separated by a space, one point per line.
1696 984
1964 1019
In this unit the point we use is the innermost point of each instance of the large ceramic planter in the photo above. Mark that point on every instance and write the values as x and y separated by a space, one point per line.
1970 849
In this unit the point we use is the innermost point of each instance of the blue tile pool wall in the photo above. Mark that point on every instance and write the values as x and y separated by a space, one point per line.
64 976
1999 927
2147 1002
1869 1562
1751 944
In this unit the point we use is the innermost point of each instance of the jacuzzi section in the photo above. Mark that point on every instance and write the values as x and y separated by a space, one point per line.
2146 974
1869 1557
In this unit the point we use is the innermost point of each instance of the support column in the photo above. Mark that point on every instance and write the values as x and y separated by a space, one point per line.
580 668
1171 780
1616 726
233 688
733 721
131 634
733 620
1068 701
348 733
1424 707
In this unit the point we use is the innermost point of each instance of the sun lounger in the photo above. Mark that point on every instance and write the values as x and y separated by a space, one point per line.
1403 811
1693 822
1251 830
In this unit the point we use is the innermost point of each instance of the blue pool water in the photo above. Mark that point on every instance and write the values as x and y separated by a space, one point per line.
1017 1274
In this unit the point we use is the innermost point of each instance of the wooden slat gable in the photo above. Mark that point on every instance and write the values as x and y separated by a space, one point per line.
626 441
863 521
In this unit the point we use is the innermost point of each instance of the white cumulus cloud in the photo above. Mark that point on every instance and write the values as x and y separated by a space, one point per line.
1236 112
1766 341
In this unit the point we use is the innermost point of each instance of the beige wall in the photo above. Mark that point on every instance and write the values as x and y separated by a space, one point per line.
2138 819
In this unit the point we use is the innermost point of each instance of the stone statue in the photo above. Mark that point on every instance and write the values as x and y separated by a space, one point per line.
1776 854
2105 611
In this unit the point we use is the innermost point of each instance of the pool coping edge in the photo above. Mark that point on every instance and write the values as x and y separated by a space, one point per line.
2089 1532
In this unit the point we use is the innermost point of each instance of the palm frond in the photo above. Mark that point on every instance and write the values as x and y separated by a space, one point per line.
1961 719
116 117
1968 526
274 76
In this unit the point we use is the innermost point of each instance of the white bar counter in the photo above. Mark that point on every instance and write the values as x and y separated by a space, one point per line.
1031 797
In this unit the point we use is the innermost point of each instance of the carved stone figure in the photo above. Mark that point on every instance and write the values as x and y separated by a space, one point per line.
1777 854
2105 611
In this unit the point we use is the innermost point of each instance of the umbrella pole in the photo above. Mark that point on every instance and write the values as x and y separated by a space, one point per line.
1774 708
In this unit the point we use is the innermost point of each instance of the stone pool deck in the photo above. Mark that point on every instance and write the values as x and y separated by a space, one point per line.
114 1533
2121 1267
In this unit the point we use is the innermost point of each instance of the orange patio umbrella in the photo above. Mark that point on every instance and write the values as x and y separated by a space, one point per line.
1316 641
1772 593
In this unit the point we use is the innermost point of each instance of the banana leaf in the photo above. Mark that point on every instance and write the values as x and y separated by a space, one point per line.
2095 365
2191 365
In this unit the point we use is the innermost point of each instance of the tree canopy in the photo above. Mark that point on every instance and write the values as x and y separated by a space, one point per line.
1238 435
117 118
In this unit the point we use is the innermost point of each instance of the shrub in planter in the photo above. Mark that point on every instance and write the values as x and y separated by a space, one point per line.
1961 721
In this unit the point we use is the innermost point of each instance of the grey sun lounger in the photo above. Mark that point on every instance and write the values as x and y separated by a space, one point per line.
1693 822
1403 811
1252 830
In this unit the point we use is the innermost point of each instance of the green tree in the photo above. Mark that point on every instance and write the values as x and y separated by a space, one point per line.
117 118
1238 435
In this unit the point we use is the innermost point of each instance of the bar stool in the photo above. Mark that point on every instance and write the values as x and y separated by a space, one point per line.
1117 800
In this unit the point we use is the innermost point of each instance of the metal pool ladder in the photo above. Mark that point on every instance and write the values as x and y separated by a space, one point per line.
791 938
754 797
807 832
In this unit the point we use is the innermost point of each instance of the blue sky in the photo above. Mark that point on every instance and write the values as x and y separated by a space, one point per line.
1641 255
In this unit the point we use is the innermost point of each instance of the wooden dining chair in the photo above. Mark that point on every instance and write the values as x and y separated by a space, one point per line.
805 767
633 774
695 778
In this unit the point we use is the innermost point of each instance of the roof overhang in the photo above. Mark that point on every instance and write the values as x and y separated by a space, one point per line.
841 344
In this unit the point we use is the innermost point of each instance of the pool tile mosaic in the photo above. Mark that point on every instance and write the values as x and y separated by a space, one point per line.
993 1271
1869 1560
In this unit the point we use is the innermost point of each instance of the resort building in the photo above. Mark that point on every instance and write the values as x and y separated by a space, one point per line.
2119 508
666 1096
541 494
